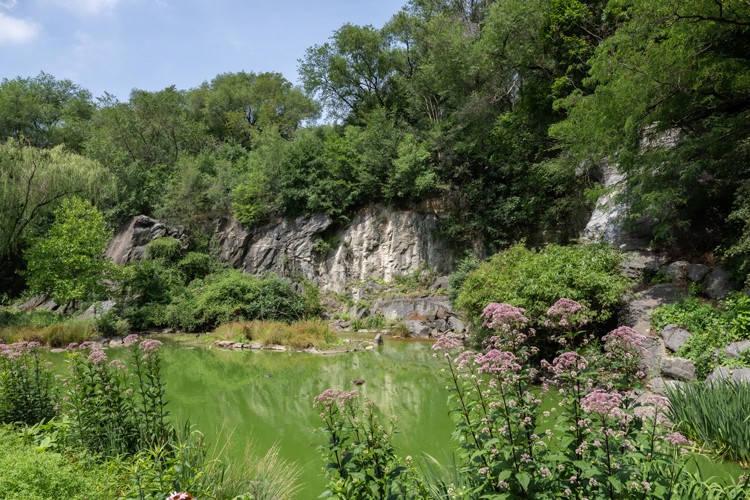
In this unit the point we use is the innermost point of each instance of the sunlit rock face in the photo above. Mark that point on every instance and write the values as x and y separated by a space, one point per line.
130 239
378 243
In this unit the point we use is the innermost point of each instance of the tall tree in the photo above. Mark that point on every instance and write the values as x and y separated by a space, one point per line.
44 111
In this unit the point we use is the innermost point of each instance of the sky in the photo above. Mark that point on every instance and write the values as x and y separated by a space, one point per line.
118 45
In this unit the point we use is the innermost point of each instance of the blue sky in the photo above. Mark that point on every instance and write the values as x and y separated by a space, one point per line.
118 45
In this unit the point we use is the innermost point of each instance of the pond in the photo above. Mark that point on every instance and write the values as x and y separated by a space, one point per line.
265 398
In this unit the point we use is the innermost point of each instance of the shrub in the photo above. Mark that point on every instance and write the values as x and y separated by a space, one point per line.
714 414
534 279
28 473
195 265
232 295
165 248
299 334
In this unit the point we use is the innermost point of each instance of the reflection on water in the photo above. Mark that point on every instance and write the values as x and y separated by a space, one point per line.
266 397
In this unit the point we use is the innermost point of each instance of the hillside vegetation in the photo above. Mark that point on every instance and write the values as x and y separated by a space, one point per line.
506 111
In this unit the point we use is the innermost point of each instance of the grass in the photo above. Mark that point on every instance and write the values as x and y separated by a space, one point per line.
55 335
714 415
297 335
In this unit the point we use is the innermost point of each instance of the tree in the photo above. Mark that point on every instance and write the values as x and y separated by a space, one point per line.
44 111
69 263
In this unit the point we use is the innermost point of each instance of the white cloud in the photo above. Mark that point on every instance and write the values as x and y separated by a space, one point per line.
8 4
88 7
13 30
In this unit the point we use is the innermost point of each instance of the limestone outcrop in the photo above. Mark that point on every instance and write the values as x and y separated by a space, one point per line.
379 243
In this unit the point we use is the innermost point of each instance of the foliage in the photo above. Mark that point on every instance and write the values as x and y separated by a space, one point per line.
532 279
298 334
232 295
33 473
116 411
360 459
69 263
714 414
712 327
165 248
28 394
44 111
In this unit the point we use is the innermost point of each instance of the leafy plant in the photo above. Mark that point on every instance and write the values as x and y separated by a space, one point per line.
28 394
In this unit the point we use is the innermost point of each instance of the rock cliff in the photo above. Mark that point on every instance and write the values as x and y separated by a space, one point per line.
378 243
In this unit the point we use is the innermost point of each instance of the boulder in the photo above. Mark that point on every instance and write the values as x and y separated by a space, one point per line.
456 324
637 264
637 312
358 311
698 272
422 308
674 337
736 374
659 385
678 271
416 328
734 349
678 369
98 309
130 239
652 352
718 283
440 283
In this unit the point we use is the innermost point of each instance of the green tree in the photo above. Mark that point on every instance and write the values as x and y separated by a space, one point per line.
45 111
69 264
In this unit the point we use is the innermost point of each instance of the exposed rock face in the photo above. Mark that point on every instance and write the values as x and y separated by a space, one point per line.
606 222
131 238
637 313
734 349
379 243
718 283
736 374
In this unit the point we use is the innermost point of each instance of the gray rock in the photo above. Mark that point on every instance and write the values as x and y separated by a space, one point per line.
379 339
734 349
678 369
674 337
659 385
98 309
652 352
130 239
456 324
637 312
358 311
440 283
698 272
678 271
718 283
636 264
736 374
378 243
225 343
423 308
440 325
416 328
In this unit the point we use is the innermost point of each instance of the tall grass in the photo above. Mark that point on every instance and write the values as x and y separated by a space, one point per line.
298 335
54 335
715 414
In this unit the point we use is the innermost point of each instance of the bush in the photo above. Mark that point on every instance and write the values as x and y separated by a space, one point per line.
165 248
534 279
232 295
195 265
28 473
299 335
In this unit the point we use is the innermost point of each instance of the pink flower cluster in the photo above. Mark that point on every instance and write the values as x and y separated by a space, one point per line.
498 363
16 349
150 345
676 439
447 342
180 496
602 402
329 397
97 357
567 364
566 313
130 339
622 336
504 316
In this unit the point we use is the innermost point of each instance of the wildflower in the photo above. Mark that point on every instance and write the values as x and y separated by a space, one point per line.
484 470
447 342
86 345
503 484
180 496
117 364
498 363
97 357
676 439
150 345
130 339
602 402
330 397
568 312
567 364
646 485
503 316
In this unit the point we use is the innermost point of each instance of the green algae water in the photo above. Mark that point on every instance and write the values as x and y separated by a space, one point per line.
266 398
